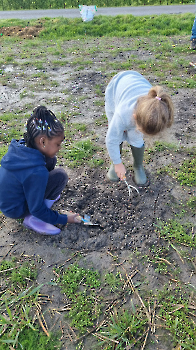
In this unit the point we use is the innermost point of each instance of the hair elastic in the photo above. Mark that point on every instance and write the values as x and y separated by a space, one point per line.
158 98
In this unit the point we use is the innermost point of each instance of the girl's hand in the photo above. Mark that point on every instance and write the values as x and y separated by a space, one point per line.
72 218
120 170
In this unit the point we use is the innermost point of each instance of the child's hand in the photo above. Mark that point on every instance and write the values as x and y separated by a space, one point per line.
120 170
72 218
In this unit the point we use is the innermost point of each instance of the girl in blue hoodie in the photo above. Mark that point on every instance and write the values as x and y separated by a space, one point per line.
29 182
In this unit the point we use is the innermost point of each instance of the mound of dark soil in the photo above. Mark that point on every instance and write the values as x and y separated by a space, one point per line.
124 221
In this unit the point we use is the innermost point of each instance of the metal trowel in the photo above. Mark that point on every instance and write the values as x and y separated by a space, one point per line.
86 220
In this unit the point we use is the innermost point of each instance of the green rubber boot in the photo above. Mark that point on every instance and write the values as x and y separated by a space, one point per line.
139 173
111 175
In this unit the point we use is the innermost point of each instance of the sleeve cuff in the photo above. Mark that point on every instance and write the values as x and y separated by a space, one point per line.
62 219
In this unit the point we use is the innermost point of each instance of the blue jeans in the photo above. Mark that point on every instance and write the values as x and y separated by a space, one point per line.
193 36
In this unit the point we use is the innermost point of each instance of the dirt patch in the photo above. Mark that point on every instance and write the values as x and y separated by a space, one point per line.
126 222
27 32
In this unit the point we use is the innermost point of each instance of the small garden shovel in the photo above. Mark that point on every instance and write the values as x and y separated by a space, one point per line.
86 221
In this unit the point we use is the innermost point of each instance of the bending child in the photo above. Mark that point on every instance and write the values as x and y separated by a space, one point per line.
29 184
133 108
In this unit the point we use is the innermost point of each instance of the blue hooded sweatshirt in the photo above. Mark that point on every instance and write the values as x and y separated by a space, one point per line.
23 181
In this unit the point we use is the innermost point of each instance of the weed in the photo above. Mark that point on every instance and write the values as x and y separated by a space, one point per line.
39 66
30 338
98 90
175 312
59 62
41 75
10 133
7 266
80 286
54 83
173 230
81 60
24 273
123 330
3 150
102 120
186 174
192 203
80 153
73 131
18 306
162 263
94 163
99 103
160 147
18 300
23 94
114 282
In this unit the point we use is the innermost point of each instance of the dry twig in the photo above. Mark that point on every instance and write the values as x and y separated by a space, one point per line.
144 344
102 337
41 324
139 297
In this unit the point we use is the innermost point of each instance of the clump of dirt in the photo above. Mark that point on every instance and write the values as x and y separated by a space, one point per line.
26 32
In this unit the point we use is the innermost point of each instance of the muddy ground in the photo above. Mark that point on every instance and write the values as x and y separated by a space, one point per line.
126 222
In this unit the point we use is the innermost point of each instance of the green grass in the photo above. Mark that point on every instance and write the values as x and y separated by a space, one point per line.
159 146
59 62
185 174
3 150
125 329
175 311
102 120
80 286
120 26
80 153
109 26
114 282
99 103
177 232
192 203
14 130
20 299
29 339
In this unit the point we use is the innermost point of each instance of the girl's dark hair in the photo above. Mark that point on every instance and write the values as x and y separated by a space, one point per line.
42 122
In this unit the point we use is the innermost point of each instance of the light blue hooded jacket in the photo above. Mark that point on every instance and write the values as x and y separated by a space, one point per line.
121 97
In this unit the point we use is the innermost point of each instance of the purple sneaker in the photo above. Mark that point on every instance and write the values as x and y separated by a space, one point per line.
40 226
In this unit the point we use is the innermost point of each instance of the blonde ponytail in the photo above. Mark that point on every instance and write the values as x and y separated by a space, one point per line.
154 111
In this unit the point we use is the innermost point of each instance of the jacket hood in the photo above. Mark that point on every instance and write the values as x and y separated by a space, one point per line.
21 157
